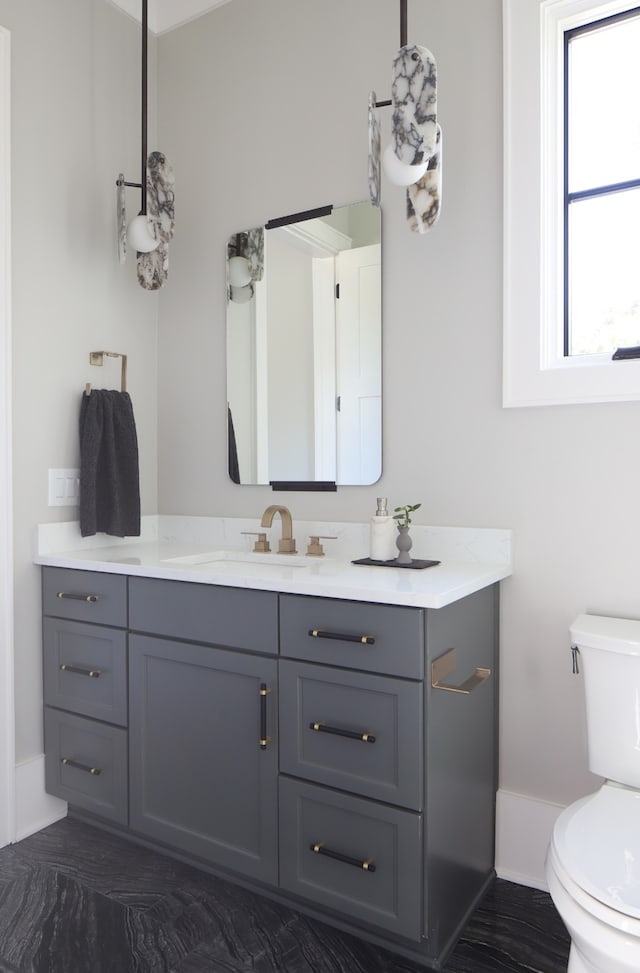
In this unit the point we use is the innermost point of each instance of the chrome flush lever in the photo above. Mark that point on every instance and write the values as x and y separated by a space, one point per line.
575 666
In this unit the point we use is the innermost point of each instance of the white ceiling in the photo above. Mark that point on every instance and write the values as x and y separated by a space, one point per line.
164 15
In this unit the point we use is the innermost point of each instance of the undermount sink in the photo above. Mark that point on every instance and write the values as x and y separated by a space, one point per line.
242 557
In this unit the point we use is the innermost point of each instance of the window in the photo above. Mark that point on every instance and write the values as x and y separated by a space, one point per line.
572 200
602 185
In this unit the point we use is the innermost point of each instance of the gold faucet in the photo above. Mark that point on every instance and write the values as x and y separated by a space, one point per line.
287 544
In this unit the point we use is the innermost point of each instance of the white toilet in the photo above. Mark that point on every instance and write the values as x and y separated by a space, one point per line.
593 862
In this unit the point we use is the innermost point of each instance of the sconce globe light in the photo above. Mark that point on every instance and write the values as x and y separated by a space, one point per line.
399 173
140 236
239 272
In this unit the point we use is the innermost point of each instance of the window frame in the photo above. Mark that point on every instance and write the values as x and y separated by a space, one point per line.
591 192
535 368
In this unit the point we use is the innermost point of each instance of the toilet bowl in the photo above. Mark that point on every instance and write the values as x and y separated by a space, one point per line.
593 875
593 862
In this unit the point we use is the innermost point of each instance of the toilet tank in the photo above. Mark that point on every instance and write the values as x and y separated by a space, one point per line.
610 665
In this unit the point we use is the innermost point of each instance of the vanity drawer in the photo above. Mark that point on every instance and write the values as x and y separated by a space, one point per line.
353 634
86 764
349 832
231 617
85 596
85 669
352 730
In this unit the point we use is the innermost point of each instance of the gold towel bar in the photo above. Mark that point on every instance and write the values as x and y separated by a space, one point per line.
445 664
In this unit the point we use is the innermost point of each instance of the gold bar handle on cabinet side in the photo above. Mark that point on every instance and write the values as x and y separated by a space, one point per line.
445 664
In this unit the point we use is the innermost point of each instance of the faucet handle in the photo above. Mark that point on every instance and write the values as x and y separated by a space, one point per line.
261 546
315 548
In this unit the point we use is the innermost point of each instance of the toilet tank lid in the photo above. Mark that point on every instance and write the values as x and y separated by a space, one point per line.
612 634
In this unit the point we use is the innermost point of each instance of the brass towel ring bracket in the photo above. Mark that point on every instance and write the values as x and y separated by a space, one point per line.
97 358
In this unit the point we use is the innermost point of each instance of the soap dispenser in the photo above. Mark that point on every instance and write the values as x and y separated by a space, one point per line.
382 534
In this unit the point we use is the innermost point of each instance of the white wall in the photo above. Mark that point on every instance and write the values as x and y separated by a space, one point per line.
263 108
76 125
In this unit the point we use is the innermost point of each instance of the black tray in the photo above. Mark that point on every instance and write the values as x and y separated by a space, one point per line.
416 563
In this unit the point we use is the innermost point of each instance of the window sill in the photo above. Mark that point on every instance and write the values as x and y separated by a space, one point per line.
578 380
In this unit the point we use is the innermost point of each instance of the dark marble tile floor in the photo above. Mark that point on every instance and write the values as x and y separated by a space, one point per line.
76 900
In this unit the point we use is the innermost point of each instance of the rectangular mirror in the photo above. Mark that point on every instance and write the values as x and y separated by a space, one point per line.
304 351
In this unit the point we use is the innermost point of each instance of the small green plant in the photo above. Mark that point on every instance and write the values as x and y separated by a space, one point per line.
403 514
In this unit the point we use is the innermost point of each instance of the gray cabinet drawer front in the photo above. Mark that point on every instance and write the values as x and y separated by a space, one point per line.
361 831
397 633
231 617
347 706
85 596
85 669
87 745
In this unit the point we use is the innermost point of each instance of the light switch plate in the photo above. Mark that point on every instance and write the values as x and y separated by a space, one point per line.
64 488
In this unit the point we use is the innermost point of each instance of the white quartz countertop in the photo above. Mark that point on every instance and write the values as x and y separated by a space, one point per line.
470 559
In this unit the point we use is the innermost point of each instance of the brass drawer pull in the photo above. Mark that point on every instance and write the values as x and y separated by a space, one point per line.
445 664
264 739
68 762
92 673
74 597
319 849
317 633
351 734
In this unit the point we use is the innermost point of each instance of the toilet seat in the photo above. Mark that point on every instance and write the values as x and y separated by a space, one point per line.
597 843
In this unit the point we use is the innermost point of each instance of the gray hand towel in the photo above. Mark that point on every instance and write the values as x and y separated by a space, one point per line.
109 474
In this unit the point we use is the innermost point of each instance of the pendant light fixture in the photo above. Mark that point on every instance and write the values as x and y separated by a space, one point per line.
150 232
139 233
413 157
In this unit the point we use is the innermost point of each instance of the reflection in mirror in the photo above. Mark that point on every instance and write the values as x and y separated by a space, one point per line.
304 355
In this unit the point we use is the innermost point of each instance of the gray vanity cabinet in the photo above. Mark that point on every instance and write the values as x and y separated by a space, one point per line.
85 690
339 756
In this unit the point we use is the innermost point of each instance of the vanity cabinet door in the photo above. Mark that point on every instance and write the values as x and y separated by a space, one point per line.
352 730
85 669
86 763
360 858
85 596
353 634
203 752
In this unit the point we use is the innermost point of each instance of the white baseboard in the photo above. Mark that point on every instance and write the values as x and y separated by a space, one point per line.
523 832
35 809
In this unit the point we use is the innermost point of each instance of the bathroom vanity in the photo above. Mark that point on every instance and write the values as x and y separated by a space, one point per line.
335 752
